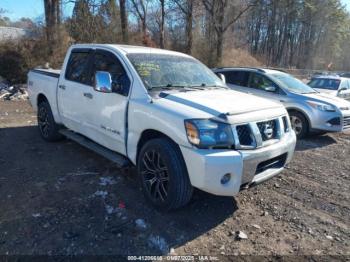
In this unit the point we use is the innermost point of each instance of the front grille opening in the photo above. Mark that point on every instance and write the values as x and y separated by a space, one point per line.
276 162
244 135
268 129
334 121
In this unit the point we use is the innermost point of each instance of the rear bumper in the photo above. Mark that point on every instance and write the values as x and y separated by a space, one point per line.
207 167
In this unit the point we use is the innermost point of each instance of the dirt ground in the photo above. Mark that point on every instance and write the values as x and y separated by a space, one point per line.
62 199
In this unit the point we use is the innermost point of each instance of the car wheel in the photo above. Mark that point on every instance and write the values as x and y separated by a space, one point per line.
299 124
163 174
48 128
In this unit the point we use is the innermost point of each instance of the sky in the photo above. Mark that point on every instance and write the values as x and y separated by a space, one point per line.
34 9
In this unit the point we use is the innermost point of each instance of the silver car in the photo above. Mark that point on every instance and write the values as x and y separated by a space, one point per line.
309 110
332 85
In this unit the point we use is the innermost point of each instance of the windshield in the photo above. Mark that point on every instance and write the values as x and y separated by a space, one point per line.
171 72
323 83
292 84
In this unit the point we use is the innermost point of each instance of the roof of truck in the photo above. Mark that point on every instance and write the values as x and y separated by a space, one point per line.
132 49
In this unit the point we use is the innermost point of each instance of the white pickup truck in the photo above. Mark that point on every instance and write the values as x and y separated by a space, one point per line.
167 114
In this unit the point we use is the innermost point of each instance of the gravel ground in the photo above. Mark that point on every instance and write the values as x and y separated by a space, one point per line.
62 199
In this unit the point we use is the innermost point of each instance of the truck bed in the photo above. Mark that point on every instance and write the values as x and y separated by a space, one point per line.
49 72
44 81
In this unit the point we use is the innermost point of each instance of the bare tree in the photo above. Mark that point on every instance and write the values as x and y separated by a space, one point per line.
140 7
124 20
162 20
186 8
223 14
53 19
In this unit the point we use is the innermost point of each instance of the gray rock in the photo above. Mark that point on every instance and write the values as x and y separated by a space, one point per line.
241 235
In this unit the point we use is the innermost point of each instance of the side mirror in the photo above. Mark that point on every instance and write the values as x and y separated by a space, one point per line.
222 77
342 89
270 89
103 82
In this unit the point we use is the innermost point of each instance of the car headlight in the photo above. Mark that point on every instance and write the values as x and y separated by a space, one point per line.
207 133
322 107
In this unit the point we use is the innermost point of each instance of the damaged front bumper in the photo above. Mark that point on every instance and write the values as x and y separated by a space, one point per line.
208 169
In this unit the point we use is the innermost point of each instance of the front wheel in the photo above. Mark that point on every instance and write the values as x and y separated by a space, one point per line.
299 124
163 174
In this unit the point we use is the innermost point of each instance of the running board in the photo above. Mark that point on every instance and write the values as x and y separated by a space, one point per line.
118 159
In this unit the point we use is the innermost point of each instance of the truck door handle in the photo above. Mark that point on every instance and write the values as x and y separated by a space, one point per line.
282 101
63 87
88 95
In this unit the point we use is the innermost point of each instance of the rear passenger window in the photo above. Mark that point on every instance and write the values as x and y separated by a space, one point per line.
77 67
239 78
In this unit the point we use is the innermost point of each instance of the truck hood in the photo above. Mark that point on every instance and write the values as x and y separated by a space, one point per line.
328 98
218 102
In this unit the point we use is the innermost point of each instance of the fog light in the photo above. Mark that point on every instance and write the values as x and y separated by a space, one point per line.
225 179
334 121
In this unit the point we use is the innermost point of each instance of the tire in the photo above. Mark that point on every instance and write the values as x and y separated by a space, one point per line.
163 175
299 124
47 126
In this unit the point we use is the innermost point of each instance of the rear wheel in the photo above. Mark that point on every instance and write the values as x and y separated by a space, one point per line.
48 128
163 174
299 124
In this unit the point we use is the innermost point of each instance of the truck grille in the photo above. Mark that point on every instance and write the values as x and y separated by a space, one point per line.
259 134
346 122
244 135
268 129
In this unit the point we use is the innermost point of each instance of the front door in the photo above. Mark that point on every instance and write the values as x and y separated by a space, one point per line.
261 85
107 112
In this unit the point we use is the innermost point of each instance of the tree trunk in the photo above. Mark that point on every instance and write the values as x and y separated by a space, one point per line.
124 21
189 20
161 37
219 32
52 19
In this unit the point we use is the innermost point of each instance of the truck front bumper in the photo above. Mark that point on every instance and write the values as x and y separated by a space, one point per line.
208 169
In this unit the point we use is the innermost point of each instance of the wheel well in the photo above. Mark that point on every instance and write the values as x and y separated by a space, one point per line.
149 134
300 112
41 98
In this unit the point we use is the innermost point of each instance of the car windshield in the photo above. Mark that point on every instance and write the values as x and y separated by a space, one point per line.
171 72
292 84
324 83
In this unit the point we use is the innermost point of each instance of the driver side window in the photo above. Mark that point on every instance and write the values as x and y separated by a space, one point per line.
261 82
108 62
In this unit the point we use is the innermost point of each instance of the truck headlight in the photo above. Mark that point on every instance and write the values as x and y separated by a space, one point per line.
207 133
322 107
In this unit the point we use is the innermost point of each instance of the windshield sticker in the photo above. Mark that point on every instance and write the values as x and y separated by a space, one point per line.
144 69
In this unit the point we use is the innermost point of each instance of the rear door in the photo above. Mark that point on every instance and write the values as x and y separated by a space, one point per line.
237 80
107 111
74 83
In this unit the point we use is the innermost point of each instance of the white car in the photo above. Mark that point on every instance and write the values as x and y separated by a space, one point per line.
165 113
332 85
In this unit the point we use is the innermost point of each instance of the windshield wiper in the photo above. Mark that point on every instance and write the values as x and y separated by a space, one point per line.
206 86
167 87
